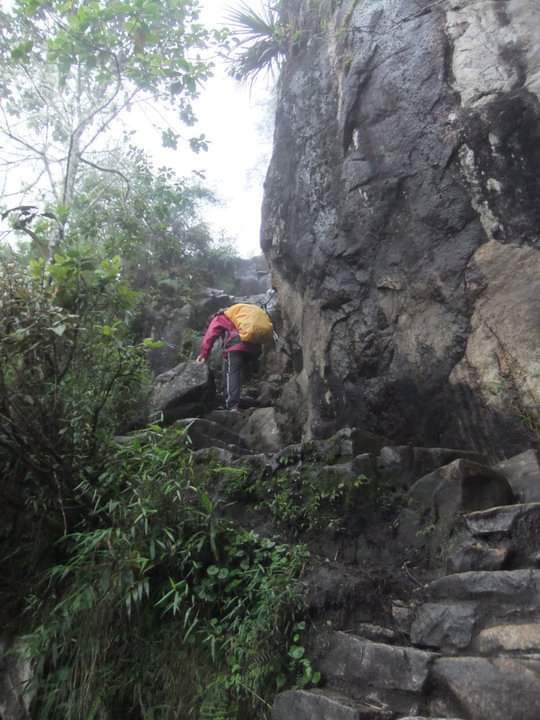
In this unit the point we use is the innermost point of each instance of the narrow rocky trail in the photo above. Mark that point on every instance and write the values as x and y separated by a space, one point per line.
463 642
425 600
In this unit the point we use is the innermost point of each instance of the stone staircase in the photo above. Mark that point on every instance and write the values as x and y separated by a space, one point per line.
468 644
472 650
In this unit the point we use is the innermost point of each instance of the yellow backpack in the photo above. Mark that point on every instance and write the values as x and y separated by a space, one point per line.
252 323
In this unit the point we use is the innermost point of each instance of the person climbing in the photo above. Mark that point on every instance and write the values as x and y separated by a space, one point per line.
243 328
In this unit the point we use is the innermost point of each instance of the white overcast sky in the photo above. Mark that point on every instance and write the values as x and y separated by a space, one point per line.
237 120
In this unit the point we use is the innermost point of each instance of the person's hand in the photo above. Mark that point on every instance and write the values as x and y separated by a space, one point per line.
200 360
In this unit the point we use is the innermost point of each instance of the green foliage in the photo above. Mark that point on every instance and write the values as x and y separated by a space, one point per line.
312 498
261 39
70 70
302 495
161 608
166 249
69 374
143 41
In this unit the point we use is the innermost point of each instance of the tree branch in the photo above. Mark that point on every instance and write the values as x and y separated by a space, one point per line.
112 171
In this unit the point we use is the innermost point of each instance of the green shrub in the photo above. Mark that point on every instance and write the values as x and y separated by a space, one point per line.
161 608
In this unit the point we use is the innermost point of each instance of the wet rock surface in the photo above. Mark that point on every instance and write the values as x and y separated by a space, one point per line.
400 208
184 391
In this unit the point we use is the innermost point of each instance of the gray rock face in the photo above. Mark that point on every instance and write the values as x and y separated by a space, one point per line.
401 218
184 391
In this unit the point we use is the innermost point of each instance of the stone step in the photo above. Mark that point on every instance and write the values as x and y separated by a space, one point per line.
505 519
498 688
324 705
505 537
509 638
520 587
463 610
386 675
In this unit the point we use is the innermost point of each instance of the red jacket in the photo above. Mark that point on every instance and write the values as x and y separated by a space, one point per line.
222 327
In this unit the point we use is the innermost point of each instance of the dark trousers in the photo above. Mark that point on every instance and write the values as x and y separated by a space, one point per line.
233 365
236 364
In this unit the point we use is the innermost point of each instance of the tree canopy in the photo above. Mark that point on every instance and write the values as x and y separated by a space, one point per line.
70 70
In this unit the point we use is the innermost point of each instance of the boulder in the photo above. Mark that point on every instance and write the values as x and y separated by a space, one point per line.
407 464
186 390
446 626
460 487
364 464
230 419
322 705
261 432
437 501
523 473
492 689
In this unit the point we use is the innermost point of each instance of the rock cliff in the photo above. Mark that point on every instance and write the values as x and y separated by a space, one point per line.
401 218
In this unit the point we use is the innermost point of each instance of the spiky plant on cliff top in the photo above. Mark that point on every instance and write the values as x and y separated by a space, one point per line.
261 40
